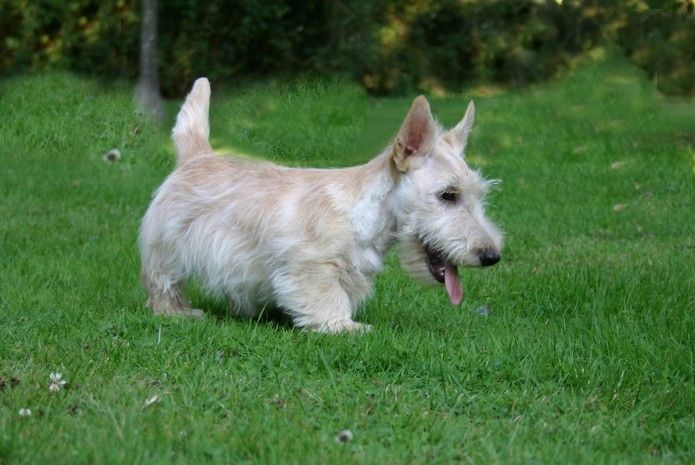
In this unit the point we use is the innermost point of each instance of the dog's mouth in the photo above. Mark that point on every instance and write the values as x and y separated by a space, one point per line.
445 272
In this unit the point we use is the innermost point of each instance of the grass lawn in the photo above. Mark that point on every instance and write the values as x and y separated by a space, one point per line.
585 353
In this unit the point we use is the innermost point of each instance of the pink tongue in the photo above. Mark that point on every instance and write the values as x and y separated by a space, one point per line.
453 284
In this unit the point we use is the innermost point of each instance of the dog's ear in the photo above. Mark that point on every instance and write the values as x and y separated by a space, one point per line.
416 137
458 136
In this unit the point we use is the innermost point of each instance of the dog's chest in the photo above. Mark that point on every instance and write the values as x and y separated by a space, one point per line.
373 226
369 253
372 242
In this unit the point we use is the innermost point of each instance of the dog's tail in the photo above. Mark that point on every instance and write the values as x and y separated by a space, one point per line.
192 129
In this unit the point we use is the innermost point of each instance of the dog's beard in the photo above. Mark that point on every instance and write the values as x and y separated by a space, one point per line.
430 267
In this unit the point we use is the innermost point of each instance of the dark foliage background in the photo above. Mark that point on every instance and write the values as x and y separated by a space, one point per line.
390 46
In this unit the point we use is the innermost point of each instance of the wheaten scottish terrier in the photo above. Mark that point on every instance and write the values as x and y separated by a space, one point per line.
310 241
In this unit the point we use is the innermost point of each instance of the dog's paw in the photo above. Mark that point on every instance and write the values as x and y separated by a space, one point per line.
361 328
186 313
196 313
342 326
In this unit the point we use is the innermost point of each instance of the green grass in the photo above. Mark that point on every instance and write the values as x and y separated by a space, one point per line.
587 356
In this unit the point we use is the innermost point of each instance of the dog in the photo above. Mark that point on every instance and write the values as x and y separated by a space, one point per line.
310 241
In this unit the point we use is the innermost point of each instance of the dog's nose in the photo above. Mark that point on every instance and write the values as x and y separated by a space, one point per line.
489 257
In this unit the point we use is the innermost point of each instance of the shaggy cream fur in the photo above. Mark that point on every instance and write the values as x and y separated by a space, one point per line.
311 241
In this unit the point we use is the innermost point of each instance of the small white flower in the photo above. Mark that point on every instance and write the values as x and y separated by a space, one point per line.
112 155
24 412
344 436
152 400
57 382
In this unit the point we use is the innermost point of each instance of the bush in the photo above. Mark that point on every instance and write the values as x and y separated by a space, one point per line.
390 46
223 39
449 43
662 43
89 36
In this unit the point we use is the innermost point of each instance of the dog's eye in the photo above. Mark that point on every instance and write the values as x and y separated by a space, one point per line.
448 196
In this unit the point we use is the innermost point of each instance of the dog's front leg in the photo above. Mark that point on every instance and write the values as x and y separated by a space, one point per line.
317 302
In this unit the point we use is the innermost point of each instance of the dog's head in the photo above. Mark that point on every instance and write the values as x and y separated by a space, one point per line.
440 200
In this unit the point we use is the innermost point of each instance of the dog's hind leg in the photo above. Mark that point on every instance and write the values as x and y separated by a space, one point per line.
167 297
163 273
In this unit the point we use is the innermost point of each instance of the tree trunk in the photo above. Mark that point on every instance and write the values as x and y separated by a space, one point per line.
147 93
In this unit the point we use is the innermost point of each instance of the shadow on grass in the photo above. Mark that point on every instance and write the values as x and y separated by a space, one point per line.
219 309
